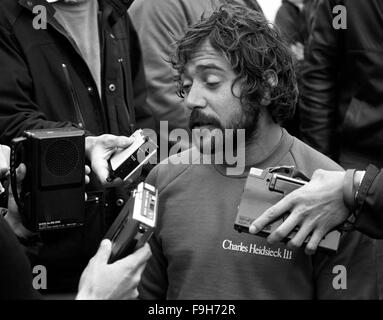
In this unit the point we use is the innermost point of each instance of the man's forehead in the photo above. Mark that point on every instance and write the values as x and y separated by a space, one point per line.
206 57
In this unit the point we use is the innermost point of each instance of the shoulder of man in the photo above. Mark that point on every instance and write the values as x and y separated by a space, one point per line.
172 168
307 159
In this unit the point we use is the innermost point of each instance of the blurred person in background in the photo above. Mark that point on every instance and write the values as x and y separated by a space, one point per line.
294 19
341 102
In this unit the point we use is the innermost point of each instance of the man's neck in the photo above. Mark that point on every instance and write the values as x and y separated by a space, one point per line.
264 142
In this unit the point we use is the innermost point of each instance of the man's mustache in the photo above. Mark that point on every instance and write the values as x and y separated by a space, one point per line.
198 118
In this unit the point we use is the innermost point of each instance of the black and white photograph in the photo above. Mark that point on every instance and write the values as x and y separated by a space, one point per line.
191 155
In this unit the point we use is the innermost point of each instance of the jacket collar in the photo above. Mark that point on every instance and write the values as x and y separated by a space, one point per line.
30 4
120 6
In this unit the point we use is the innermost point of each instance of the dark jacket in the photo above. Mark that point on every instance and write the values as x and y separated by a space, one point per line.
342 93
15 271
44 83
370 201
38 91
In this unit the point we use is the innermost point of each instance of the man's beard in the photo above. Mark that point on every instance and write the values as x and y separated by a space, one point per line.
72 1
246 120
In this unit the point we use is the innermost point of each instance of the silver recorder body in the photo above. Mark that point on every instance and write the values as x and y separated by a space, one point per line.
136 222
126 163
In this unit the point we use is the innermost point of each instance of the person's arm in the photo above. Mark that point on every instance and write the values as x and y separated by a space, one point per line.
318 99
320 206
369 219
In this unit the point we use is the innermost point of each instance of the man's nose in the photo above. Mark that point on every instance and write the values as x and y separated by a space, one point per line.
195 98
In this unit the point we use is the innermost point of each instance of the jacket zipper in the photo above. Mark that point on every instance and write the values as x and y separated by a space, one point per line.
74 97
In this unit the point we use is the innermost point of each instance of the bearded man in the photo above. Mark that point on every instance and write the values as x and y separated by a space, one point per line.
235 73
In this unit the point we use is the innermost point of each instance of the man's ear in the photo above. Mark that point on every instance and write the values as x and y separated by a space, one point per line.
269 76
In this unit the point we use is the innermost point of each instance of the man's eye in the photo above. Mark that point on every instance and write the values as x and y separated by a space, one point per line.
211 84
186 87
212 81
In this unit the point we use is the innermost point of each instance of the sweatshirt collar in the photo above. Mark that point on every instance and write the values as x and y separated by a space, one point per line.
271 160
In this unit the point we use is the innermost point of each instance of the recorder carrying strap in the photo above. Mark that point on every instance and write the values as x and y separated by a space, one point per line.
15 144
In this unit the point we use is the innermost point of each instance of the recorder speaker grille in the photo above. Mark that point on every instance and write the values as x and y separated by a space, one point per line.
62 157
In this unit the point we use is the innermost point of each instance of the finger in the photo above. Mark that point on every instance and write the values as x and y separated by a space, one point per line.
87 173
134 177
21 172
300 237
138 258
116 182
284 229
103 253
272 214
100 168
313 244
4 158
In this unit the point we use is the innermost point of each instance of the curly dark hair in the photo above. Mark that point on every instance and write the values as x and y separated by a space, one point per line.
253 47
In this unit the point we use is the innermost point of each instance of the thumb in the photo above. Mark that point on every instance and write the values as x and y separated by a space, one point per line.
103 253
123 142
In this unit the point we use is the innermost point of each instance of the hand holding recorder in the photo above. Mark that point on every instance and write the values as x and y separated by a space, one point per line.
266 188
100 280
317 207
117 281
